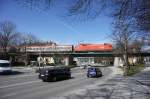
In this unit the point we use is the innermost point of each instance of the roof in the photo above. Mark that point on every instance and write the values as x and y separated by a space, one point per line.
36 44
93 47
45 45
4 61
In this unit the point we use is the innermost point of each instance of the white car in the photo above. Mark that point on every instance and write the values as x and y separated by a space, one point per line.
82 66
5 66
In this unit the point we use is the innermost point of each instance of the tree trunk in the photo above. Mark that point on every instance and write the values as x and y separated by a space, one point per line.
126 64
126 58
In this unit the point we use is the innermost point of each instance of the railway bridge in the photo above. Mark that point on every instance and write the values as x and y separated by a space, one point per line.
69 58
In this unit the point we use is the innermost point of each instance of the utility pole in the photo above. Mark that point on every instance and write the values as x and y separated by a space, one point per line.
26 55
40 58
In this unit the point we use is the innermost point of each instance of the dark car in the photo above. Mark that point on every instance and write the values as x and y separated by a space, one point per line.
54 74
94 72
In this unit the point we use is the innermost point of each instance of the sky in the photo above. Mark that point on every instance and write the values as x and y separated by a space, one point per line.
50 25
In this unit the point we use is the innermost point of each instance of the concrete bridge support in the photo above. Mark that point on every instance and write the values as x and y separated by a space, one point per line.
70 60
118 61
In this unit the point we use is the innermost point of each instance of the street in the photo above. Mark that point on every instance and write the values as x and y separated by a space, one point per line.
26 85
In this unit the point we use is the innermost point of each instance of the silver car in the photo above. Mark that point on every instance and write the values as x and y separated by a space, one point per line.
5 67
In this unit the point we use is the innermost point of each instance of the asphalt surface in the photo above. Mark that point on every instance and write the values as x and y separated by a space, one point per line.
26 85
118 87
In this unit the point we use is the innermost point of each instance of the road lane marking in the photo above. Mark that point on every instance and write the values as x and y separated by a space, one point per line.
57 87
18 84
19 76
8 95
37 88
17 93
5 79
24 75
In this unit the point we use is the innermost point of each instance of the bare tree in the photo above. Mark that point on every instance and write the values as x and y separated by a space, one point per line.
136 12
123 36
136 46
25 40
130 18
8 36
133 15
37 4
28 38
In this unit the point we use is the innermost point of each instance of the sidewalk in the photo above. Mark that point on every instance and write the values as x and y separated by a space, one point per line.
118 87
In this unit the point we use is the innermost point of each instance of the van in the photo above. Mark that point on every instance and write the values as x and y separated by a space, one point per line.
5 67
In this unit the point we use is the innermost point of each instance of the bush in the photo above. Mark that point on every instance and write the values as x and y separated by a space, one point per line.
72 66
134 69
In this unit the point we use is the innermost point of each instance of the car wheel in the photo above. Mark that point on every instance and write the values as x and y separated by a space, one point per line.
39 77
101 75
69 77
55 79
44 80
89 76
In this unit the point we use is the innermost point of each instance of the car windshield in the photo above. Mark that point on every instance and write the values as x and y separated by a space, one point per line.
4 65
91 69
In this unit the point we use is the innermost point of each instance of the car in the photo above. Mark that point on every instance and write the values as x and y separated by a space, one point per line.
54 74
5 67
94 72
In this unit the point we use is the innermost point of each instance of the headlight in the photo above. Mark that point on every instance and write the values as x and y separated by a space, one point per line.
46 72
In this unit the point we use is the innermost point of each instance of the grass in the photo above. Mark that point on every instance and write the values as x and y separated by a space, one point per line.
72 66
134 69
